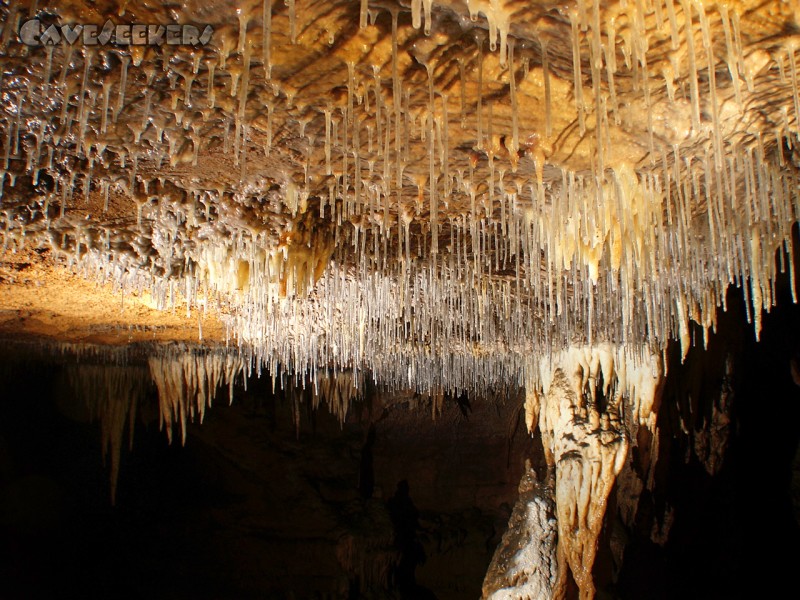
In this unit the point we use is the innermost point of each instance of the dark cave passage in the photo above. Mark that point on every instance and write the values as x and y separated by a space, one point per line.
393 503
252 507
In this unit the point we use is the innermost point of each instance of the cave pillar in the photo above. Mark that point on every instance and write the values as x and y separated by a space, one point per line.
590 405
586 446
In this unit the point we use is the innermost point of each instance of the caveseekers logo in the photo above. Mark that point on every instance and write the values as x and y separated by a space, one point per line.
35 33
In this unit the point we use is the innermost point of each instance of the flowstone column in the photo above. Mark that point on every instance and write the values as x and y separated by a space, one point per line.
590 404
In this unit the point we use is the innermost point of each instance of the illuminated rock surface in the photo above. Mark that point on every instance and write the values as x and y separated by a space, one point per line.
407 191
589 403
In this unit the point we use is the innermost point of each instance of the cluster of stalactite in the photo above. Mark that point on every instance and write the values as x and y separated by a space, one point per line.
112 394
442 195
431 192
185 379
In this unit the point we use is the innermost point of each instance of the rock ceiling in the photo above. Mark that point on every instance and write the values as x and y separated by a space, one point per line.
434 191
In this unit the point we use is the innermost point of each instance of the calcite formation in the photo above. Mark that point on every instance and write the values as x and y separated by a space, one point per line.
112 394
187 383
111 383
525 564
408 188
446 195
591 403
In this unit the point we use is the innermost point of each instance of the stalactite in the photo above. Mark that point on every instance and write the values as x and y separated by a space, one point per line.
623 218
111 394
187 384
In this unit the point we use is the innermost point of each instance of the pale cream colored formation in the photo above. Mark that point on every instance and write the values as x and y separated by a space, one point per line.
187 383
291 267
188 380
336 390
112 395
589 403
408 187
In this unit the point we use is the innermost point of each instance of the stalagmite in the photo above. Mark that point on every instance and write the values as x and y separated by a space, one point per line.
525 565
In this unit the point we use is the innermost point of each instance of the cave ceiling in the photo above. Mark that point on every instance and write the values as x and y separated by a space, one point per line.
433 191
